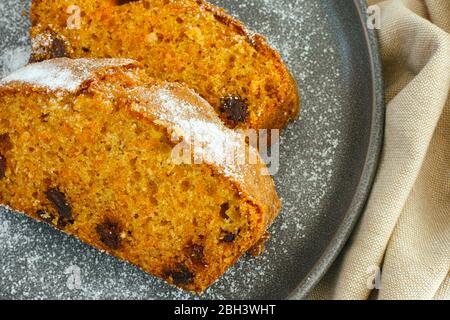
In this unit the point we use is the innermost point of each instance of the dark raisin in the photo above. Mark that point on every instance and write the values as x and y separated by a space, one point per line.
85 49
180 275
196 256
2 167
62 223
109 233
223 210
234 108
122 2
34 58
44 117
58 49
228 237
259 247
5 142
58 199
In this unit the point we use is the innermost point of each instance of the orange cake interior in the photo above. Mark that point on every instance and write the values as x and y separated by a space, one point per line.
188 41
95 162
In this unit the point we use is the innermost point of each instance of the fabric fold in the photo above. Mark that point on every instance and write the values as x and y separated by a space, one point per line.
405 230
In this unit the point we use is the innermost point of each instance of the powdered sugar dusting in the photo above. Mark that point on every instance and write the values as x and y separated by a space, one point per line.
14 59
61 74
45 75
310 151
212 142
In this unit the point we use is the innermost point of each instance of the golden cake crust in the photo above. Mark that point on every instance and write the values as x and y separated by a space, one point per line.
263 96
152 102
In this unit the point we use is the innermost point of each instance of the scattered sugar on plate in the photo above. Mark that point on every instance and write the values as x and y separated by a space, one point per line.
14 59
39 262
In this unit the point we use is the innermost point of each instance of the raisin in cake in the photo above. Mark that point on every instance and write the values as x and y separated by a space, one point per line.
186 41
93 147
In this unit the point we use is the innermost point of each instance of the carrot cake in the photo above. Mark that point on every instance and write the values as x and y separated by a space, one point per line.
94 148
188 41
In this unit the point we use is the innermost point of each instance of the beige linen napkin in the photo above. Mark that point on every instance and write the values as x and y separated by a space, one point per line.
402 243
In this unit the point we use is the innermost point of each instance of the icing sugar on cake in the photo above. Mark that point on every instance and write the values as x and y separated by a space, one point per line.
210 140
61 74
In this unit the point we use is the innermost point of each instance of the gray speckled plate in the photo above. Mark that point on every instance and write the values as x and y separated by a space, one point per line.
328 160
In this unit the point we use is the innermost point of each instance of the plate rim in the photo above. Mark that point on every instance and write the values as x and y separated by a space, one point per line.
370 169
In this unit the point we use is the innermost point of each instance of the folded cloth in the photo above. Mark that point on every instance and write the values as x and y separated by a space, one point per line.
401 246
